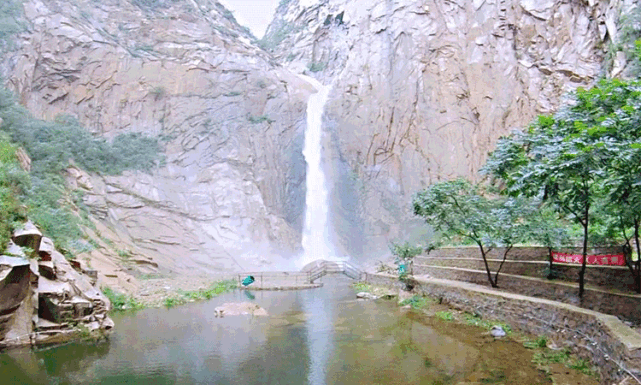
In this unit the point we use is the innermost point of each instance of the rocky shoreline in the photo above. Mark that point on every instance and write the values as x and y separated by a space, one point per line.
45 298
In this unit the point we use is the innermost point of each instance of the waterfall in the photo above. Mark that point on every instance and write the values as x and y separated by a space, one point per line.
316 239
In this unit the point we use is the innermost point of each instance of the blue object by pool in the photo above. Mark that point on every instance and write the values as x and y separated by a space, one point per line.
248 281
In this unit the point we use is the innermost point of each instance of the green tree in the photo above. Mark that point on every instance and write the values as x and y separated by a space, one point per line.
613 110
512 224
554 161
566 160
545 228
404 255
459 208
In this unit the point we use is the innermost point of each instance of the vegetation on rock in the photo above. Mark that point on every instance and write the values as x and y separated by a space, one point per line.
120 302
53 147
10 24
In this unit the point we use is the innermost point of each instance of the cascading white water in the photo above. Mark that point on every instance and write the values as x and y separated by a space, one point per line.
316 240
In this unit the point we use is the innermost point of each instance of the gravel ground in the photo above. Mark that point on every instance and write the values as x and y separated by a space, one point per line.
153 292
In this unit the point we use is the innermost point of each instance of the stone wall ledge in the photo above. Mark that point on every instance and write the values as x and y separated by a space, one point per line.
535 281
625 305
517 253
508 261
613 347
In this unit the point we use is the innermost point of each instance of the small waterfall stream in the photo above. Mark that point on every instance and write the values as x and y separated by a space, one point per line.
316 240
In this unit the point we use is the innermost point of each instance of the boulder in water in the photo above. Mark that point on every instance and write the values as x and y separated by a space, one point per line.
365 295
239 308
497 331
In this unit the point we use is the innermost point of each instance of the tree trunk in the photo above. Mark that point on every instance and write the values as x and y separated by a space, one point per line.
585 252
496 276
628 263
637 276
487 268
551 263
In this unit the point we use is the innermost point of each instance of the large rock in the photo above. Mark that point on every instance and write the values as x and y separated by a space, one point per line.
239 308
28 236
47 309
231 193
422 90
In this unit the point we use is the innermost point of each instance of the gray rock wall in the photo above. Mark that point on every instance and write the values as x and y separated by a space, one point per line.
231 193
423 89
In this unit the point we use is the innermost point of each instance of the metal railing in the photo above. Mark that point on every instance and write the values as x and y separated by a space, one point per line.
330 267
275 278
280 278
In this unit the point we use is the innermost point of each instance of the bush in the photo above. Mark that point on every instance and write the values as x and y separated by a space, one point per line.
120 302
214 290
10 24
316 67
53 147
259 119
417 302
280 33
445 315
404 256
362 286
13 180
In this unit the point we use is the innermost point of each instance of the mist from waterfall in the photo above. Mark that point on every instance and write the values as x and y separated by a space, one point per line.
316 239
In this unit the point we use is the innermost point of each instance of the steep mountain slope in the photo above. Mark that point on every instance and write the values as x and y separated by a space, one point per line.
230 193
422 89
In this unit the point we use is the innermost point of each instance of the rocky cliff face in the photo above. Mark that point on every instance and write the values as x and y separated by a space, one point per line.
231 192
422 89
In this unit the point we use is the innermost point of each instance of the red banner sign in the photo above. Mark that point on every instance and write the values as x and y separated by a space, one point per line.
611 260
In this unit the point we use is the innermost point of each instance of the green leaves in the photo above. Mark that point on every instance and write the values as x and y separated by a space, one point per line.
53 147
461 209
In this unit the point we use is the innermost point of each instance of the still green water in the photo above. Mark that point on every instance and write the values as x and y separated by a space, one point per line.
319 336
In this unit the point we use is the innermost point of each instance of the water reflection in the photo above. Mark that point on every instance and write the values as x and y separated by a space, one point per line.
249 295
321 336
319 328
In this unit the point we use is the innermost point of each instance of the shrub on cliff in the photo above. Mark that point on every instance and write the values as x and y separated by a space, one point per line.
10 24
13 181
53 147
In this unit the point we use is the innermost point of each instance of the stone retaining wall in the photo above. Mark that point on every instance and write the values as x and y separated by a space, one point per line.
602 339
518 253
617 277
624 305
